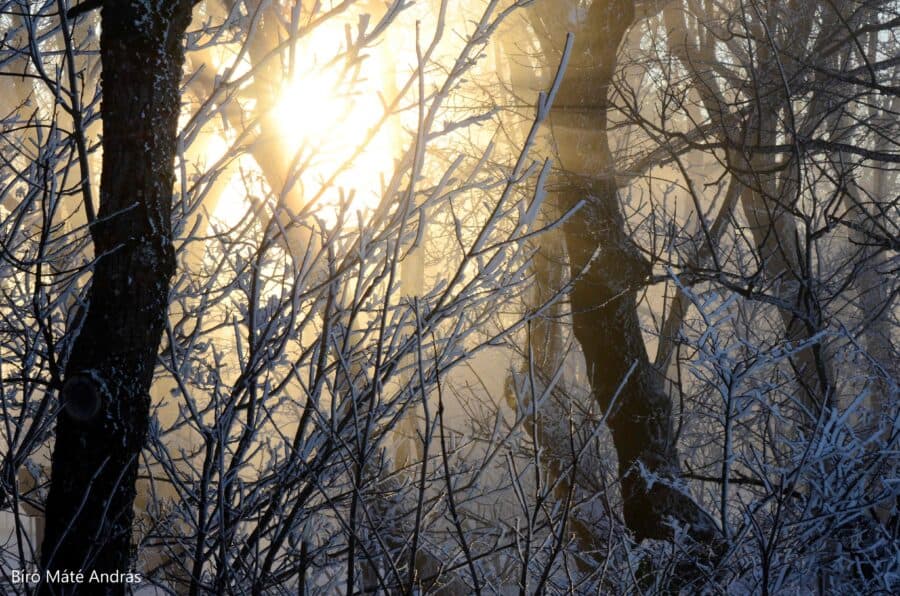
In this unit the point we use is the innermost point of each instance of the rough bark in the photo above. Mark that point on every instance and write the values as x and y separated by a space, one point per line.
103 423
606 270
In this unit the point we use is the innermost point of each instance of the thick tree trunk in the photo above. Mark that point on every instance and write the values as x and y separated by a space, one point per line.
607 270
102 426
604 313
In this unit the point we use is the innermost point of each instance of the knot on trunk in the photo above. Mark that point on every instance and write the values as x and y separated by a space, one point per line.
82 395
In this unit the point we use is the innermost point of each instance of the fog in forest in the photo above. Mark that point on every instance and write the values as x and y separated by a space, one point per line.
449 297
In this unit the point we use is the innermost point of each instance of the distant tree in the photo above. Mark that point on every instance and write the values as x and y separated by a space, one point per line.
606 268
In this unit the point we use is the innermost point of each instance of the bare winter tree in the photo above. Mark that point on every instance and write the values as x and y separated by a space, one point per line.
758 121
425 296
105 388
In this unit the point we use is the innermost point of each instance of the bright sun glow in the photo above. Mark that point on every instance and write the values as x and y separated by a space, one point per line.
327 116
329 121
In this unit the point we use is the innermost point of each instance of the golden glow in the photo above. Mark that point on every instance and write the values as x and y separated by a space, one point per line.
233 202
328 116
332 124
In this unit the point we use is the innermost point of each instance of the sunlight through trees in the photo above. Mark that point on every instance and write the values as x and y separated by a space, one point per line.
451 297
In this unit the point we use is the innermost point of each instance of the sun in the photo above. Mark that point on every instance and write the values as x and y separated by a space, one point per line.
332 122
338 120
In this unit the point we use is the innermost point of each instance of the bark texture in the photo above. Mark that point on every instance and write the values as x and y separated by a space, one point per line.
103 424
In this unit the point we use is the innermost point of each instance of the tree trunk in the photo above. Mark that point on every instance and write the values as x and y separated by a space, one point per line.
102 426
765 188
607 270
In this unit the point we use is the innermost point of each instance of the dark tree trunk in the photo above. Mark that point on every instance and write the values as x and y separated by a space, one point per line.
607 270
103 425
604 313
